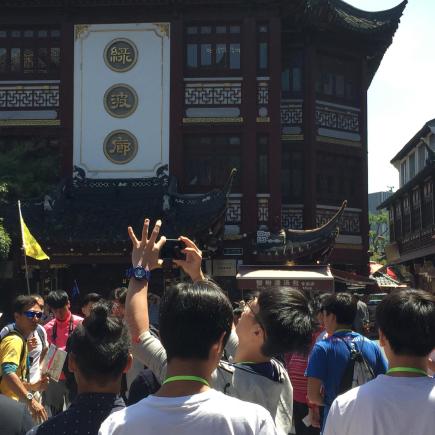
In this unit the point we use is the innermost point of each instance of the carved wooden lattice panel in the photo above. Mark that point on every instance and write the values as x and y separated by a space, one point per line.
207 94
234 211
292 217
337 119
29 97
263 209
349 222
291 114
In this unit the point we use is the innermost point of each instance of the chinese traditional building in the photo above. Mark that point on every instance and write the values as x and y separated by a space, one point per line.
411 210
119 89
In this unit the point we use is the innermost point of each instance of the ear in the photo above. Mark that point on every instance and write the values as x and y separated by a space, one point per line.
72 365
217 348
129 363
382 339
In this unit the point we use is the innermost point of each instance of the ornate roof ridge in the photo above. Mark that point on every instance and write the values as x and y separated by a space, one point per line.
346 15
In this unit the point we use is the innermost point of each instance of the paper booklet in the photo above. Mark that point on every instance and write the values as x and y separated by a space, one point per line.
53 362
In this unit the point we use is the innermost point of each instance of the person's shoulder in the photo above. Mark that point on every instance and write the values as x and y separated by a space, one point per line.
49 325
77 319
232 405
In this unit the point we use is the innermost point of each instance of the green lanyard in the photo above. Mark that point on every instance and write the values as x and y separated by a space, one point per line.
186 378
342 330
406 370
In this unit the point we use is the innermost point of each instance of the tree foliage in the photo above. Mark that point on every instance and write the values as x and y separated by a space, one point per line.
378 235
29 168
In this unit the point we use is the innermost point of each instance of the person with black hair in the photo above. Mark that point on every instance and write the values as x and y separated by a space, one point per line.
277 321
14 379
403 400
118 300
58 331
98 355
185 403
329 358
88 302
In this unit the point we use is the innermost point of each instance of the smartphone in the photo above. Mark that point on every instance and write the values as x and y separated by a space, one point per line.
172 249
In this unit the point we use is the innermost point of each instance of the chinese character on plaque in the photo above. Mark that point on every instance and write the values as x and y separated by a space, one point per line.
120 147
120 55
120 100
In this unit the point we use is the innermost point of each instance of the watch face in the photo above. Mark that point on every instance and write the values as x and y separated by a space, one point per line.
139 272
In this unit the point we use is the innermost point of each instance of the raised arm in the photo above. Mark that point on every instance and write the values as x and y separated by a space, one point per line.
145 253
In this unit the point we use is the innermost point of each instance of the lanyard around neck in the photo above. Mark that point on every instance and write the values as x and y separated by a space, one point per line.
186 378
342 330
406 370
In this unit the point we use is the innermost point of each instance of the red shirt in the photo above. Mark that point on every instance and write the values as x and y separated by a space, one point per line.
58 332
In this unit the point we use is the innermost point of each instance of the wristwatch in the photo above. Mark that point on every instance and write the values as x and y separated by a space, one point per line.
29 396
139 273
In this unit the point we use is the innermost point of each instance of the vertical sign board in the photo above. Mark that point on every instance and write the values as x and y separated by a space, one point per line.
121 99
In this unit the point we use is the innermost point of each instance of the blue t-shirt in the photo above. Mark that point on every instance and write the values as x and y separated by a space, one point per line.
329 358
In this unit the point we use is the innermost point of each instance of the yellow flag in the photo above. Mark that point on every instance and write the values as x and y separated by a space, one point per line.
31 246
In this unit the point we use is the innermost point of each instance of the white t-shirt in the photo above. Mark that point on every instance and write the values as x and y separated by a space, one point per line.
208 413
384 406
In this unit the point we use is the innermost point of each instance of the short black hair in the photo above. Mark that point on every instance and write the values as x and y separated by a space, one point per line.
343 305
316 303
193 316
23 302
100 345
91 297
57 299
120 295
407 318
285 317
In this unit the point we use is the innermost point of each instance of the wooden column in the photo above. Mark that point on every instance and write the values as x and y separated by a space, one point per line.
364 219
249 137
309 130
176 99
66 106
275 147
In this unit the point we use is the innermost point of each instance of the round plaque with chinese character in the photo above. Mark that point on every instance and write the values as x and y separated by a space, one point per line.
120 55
120 100
120 147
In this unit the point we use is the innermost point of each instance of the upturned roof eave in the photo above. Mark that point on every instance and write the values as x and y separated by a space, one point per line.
427 128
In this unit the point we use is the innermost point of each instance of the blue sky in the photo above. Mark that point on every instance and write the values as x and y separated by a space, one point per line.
401 97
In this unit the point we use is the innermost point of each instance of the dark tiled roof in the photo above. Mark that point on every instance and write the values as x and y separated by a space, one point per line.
406 188
414 141
95 214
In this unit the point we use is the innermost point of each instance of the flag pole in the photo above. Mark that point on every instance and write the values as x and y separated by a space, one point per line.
24 247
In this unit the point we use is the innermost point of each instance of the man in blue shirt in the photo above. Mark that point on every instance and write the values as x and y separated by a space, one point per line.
329 357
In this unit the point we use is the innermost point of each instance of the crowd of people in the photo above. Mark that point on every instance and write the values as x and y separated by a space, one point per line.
279 363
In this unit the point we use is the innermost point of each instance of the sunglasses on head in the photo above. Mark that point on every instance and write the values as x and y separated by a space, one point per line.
32 314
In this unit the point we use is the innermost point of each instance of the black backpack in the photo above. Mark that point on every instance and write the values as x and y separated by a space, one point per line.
357 371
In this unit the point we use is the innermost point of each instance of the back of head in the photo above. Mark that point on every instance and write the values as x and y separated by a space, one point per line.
193 317
407 319
22 303
120 295
57 299
286 319
100 345
91 298
343 305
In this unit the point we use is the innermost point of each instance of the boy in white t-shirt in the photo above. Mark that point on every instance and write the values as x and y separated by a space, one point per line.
195 324
402 402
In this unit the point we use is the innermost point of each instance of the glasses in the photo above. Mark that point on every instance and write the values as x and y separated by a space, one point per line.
33 314
256 317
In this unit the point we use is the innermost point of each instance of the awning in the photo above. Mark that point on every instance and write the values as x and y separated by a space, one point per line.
308 278
351 278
